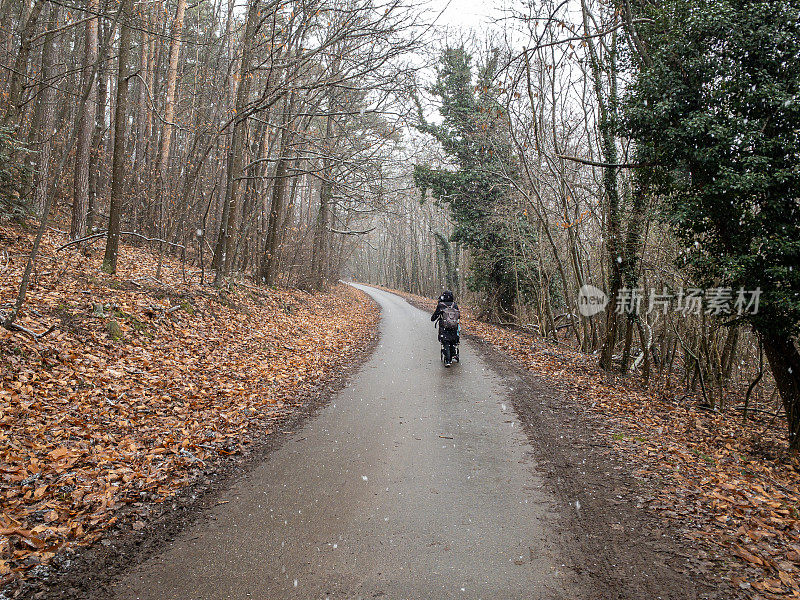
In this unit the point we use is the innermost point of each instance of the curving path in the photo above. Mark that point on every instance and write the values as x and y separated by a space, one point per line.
415 481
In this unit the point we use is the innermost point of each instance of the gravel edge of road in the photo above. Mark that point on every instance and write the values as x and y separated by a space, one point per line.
85 573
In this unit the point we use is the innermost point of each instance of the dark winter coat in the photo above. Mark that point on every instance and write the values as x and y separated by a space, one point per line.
445 335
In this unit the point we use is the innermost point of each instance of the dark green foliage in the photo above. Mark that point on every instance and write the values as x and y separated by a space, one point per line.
15 175
716 106
446 249
474 135
719 111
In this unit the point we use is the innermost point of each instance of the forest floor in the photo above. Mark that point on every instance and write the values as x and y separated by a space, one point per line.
151 392
146 394
728 488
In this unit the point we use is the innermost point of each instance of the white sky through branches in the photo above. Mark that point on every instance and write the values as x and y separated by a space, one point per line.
465 14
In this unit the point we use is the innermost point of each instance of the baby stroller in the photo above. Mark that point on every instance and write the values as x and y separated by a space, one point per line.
447 318
449 353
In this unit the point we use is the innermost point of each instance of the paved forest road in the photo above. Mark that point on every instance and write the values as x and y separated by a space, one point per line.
415 481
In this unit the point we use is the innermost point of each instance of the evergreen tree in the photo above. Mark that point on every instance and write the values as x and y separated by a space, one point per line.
474 135
716 107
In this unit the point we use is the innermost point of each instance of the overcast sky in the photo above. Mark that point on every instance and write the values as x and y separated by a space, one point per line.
485 18
466 14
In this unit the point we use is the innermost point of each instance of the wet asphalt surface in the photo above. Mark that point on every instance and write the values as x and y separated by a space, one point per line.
415 481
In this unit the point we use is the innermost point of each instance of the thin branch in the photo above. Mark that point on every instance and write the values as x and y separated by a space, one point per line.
102 234
62 28
11 326
593 163
344 232
81 240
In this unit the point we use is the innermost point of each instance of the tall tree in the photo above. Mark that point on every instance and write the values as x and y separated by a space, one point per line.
46 111
322 224
716 108
223 251
607 117
473 134
83 148
120 127
169 99
268 273
18 73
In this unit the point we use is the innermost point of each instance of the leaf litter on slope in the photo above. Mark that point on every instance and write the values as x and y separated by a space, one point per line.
143 382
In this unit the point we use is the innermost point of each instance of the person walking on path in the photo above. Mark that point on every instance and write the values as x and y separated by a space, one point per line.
447 315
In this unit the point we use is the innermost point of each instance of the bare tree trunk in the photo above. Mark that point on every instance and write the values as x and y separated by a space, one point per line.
729 351
784 361
97 152
118 159
80 203
169 117
269 262
142 112
7 38
172 76
44 166
318 261
21 64
225 242
47 111
44 161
